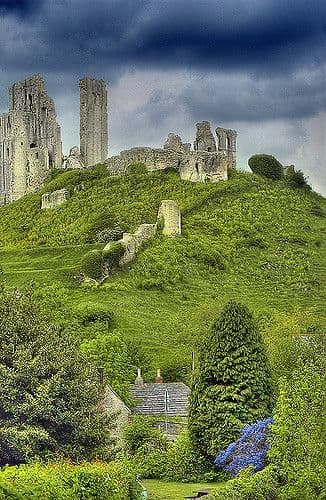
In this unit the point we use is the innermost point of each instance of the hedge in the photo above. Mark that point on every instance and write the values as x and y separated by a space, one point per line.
64 481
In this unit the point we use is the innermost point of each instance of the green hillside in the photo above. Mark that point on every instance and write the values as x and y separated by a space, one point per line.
248 238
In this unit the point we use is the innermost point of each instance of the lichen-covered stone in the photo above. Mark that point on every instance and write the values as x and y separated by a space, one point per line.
169 213
93 121
54 199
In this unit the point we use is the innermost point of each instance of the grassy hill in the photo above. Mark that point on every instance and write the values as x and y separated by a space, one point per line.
248 238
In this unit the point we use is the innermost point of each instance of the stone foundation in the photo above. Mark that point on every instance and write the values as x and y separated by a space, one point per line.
54 199
170 214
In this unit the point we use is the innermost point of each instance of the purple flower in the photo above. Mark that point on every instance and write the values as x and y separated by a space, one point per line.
249 450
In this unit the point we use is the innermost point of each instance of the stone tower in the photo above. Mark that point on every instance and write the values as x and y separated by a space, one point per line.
30 139
93 121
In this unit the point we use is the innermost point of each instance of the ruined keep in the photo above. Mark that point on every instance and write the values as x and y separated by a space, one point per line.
93 121
208 161
30 139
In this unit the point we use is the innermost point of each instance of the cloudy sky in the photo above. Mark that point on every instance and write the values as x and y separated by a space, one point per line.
257 66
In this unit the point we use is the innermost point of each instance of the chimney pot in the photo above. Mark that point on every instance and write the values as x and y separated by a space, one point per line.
139 379
159 379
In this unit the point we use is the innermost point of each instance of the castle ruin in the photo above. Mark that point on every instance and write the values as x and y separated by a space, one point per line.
30 142
30 139
93 121
208 161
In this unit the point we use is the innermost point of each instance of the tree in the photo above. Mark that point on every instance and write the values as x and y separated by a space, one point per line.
49 393
232 385
267 166
296 178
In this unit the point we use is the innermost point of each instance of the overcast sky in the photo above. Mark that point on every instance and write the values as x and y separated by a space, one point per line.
257 66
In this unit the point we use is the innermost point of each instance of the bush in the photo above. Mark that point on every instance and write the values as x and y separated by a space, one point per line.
63 481
92 264
249 450
266 166
112 256
109 234
141 436
296 178
137 168
94 314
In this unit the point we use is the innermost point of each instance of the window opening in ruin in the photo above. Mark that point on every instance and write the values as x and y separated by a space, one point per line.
228 143
30 101
36 156
33 145
179 164
8 153
209 149
22 144
196 167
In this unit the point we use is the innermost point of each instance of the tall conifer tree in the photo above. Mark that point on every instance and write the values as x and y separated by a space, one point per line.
232 385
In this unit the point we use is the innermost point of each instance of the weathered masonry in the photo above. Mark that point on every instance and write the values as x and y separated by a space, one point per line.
208 161
93 121
30 139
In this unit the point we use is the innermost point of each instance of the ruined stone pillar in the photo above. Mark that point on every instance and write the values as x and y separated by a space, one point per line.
170 213
232 140
221 139
93 121
204 138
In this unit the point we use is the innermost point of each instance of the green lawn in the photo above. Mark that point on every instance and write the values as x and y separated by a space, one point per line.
162 490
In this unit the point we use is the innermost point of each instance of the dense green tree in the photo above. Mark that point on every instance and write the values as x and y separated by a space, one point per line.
49 393
267 166
232 384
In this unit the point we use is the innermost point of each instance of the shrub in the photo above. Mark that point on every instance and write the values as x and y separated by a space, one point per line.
109 234
141 436
137 168
232 385
92 314
249 450
63 481
112 256
266 166
296 178
92 264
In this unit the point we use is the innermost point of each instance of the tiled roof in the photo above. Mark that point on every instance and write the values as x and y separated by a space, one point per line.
158 399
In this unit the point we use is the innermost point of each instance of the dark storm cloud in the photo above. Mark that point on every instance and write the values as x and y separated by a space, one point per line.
269 35
20 6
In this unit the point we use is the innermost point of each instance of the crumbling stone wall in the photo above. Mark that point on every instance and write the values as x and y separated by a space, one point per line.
208 162
204 138
133 242
93 121
30 139
54 199
169 213
74 160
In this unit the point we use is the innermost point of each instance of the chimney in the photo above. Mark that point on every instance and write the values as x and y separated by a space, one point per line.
139 379
159 379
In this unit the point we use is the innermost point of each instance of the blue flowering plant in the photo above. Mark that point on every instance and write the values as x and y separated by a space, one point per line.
249 450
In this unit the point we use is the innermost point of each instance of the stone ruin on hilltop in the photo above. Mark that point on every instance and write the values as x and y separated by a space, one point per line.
30 142
209 160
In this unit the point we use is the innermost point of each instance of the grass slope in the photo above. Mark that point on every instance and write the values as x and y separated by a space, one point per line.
248 238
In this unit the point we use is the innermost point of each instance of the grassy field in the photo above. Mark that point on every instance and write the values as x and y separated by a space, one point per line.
249 239
162 490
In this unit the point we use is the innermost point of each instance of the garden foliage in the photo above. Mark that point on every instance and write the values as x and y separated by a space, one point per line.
49 392
232 384
63 481
249 450
297 454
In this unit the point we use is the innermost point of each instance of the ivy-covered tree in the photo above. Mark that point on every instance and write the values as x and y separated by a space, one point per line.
266 166
232 384
49 392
